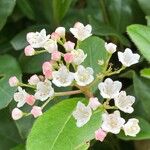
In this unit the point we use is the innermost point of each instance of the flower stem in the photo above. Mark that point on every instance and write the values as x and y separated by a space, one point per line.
26 85
68 93
39 52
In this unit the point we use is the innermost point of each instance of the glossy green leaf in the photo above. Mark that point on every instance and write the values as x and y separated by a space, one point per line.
148 20
60 8
33 64
6 8
140 39
145 73
143 134
19 42
19 147
8 67
144 4
94 48
8 132
107 30
56 129
141 87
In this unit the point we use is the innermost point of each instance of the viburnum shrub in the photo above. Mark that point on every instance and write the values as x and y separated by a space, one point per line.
66 69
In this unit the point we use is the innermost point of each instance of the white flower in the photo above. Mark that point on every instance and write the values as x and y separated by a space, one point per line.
127 58
79 56
82 114
44 90
112 122
131 128
109 88
51 46
80 31
37 39
84 76
124 102
94 103
62 77
60 31
34 80
16 114
110 47
20 97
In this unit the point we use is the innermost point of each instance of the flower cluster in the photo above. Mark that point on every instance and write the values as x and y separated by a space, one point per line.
67 69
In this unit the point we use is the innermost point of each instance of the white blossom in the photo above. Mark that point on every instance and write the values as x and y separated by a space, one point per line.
110 47
51 46
131 128
84 76
124 102
109 88
37 39
20 97
112 122
80 31
82 114
34 80
79 56
94 103
128 58
61 31
44 90
63 77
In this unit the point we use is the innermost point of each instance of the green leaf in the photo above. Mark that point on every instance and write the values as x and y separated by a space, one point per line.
148 20
8 132
6 8
94 48
141 87
19 41
8 67
26 8
145 73
144 4
140 39
19 147
33 64
60 8
107 30
57 130
143 134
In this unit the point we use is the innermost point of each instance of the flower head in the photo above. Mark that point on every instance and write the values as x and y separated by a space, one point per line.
20 97
13 81
34 79
51 46
68 57
127 58
80 31
29 51
94 103
84 76
112 122
110 47
37 39
63 77
30 100
131 128
60 31
16 114
79 56
36 111
82 114
100 135
109 88
69 46
44 90
124 102
47 69
56 55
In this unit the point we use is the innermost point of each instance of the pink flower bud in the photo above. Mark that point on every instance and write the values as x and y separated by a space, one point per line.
61 31
78 25
56 55
30 100
34 80
47 70
55 36
29 51
94 103
13 81
69 46
100 135
16 114
68 57
36 111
